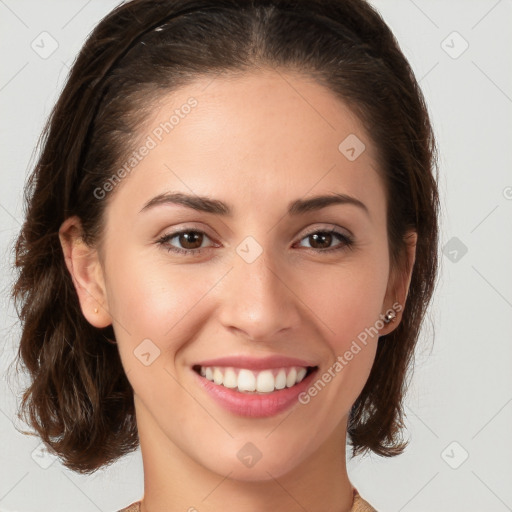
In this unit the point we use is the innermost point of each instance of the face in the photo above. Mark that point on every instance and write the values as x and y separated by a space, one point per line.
254 276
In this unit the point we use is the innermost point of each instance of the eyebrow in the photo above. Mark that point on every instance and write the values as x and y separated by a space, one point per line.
208 205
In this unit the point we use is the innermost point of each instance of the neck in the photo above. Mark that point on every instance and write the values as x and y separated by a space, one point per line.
174 481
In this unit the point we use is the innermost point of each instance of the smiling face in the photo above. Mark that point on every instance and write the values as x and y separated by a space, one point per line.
264 276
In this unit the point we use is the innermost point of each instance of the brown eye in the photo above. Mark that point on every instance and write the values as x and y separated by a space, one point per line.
190 239
320 240
323 241
190 242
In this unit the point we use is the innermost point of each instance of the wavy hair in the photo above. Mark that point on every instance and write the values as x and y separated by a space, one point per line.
79 400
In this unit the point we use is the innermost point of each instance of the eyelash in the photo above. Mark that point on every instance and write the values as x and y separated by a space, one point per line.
347 242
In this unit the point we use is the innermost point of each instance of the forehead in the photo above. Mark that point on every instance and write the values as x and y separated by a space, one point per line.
267 134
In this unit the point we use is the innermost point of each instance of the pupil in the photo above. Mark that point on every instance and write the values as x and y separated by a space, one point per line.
191 239
323 237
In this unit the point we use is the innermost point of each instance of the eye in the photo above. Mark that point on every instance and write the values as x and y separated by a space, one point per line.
190 240
321 240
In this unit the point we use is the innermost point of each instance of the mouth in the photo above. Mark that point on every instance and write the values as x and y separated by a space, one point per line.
255 382
254 387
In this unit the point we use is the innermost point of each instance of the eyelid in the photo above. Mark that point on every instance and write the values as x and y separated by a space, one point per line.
327 227
185 228
164 240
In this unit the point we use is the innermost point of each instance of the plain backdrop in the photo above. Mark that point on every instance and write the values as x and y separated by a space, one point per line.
459 406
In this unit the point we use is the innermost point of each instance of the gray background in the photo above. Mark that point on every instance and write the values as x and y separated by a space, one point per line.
459 406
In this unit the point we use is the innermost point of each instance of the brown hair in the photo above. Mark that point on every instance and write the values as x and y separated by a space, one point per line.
79 400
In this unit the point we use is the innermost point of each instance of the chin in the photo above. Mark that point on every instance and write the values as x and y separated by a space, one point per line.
251 464
260 472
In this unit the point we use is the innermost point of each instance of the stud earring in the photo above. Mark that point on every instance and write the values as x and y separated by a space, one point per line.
389 317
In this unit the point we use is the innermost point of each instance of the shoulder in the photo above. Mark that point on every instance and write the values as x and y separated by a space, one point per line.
134 507
360 505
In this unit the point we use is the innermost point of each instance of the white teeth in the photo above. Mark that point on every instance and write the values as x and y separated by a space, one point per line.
301 374
281 380
246 381
264 381
230 379
217 376
291 378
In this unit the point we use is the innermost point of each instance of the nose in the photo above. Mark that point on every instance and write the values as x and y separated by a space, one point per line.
258 300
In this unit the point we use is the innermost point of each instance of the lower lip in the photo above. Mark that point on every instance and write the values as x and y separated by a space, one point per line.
255 405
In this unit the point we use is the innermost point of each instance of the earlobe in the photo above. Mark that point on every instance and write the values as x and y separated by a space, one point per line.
398 288
84 266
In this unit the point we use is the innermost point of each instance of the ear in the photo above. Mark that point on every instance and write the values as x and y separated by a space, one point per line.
84 265
398 285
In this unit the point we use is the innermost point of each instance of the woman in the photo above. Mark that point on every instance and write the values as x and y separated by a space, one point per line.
229 247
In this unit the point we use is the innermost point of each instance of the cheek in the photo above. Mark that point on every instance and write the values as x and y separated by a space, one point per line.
153 300
347 299
157 311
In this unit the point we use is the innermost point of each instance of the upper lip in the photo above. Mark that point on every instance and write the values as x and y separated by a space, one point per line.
252 363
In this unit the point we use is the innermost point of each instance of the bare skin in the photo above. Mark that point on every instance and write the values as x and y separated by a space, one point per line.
256 144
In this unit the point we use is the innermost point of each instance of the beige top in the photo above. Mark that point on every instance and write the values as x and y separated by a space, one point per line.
359 505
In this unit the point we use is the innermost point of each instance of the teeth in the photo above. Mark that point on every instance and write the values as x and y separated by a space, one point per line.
246 381
291 378
281 380
217 376
265 381
230 378
301 374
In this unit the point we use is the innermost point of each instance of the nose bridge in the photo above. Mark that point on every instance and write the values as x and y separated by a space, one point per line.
259 302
